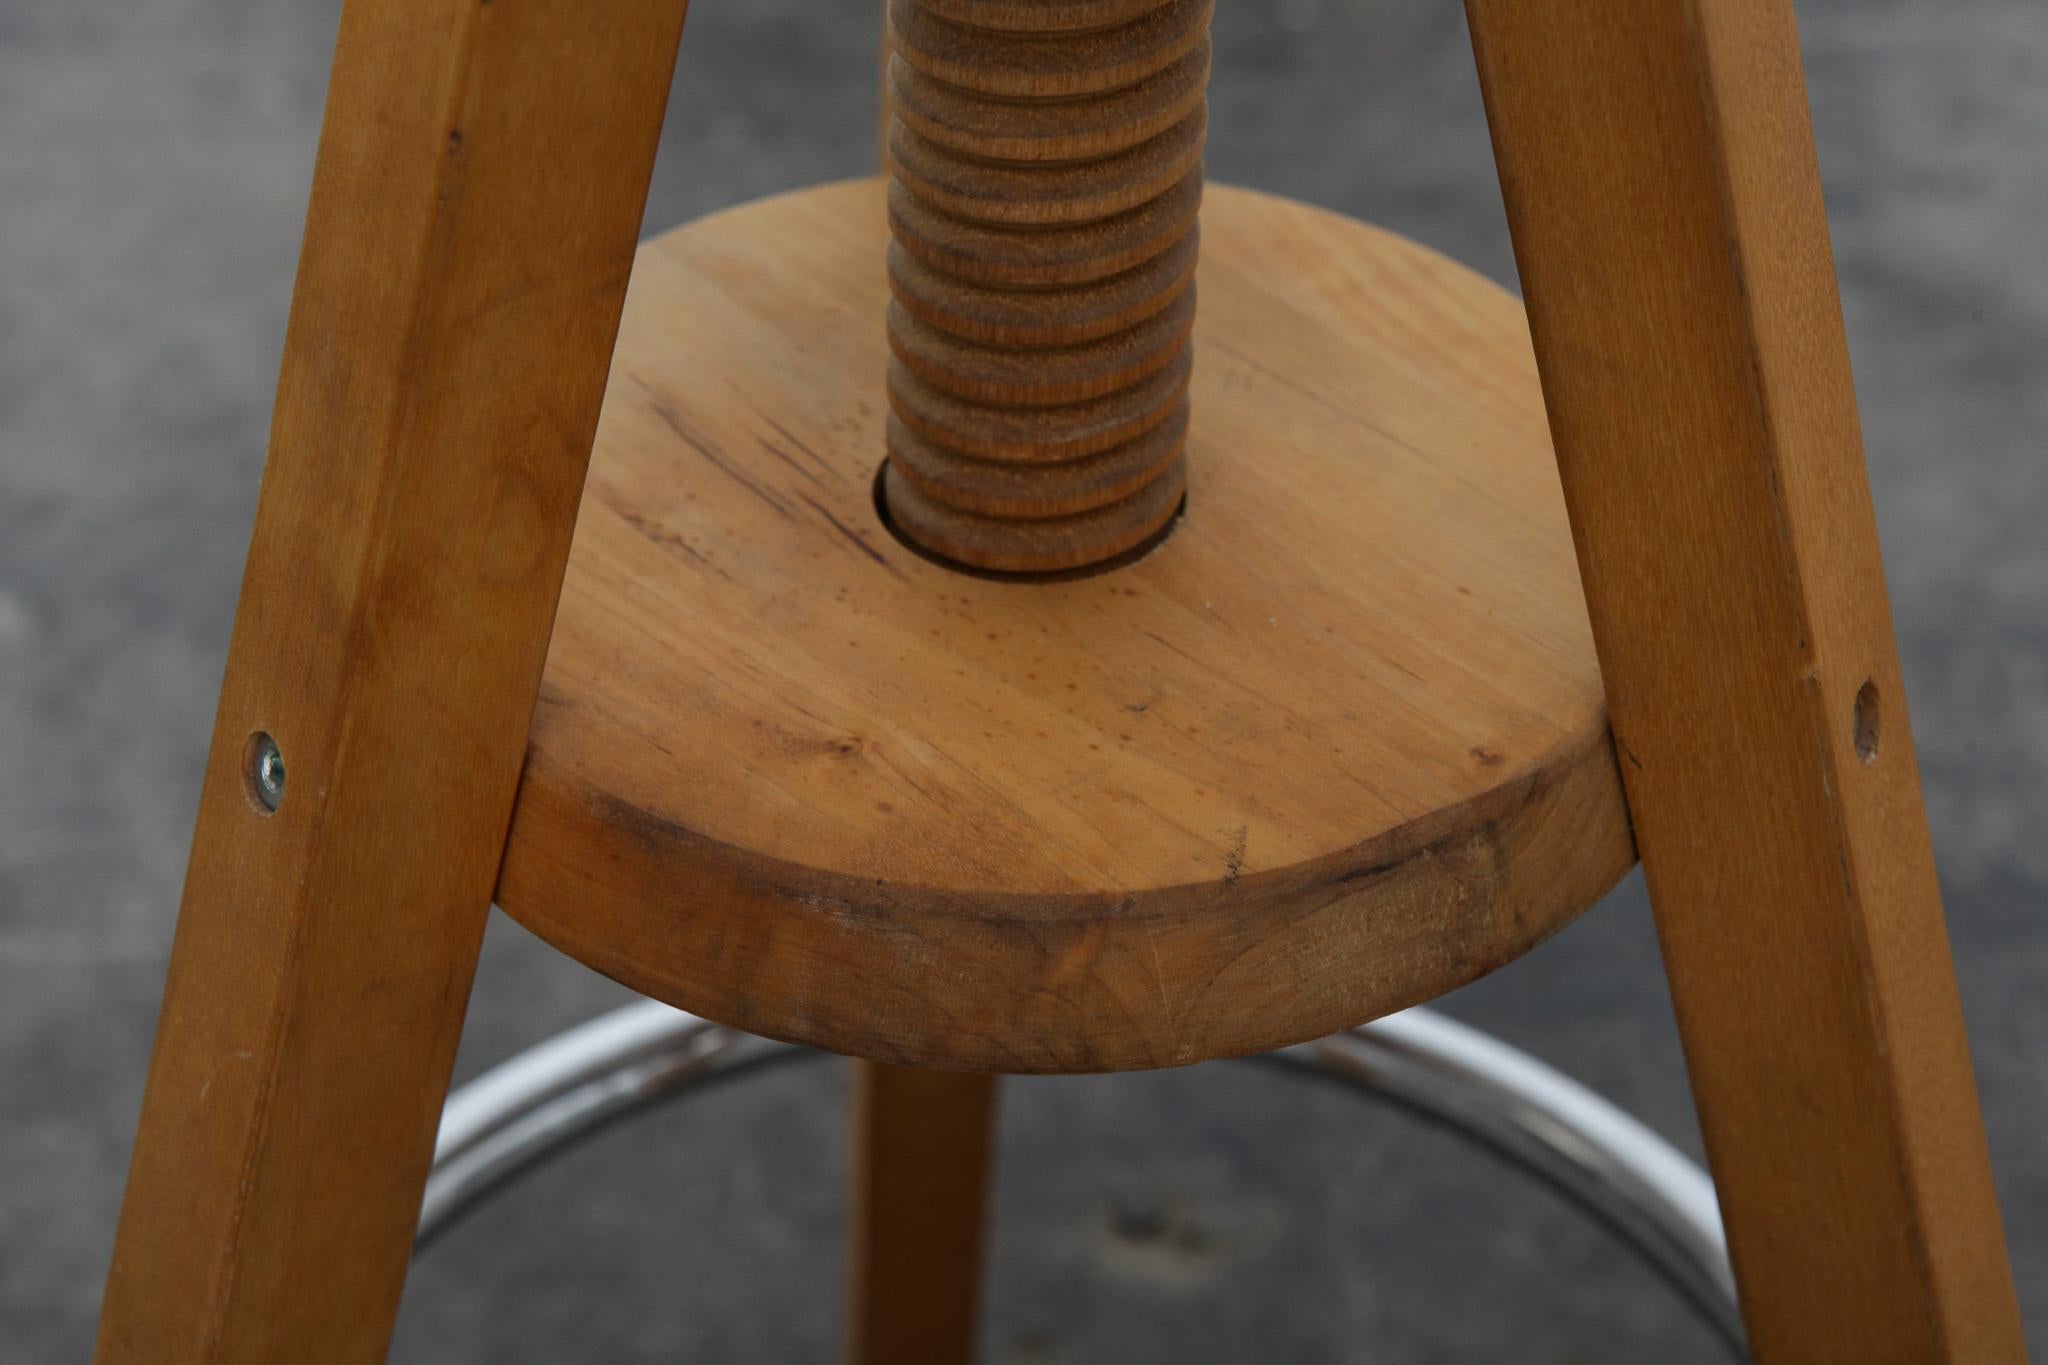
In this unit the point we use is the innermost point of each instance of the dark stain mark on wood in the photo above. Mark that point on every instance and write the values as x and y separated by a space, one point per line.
673 420
1233 860
853 537
779 453
669 540
793 439
1446 844
1361 874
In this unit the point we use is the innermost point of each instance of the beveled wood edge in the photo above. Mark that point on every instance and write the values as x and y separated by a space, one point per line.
1032 983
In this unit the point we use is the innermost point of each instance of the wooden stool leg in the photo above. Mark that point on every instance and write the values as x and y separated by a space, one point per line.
1659 171
478 192
921 1165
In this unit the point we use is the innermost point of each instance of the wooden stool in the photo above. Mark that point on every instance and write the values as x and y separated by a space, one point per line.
1178 689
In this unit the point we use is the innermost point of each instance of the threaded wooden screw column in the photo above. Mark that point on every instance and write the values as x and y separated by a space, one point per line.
1046 172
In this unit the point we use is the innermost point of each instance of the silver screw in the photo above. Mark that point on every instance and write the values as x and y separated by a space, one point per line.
266 771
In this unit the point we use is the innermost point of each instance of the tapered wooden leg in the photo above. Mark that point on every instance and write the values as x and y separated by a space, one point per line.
478 192
1660 179
921 1165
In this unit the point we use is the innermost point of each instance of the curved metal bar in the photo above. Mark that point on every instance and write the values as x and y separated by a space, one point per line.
1594 1154
553 1096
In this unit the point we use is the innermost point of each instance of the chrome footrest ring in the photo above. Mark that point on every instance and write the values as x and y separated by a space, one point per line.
552 1096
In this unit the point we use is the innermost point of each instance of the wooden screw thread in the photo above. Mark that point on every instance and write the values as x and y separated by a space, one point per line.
1046 173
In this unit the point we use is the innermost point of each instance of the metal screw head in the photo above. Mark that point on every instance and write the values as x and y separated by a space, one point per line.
265 771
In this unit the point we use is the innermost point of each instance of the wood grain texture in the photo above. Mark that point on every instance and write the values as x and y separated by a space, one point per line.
467 245
1333 748
922 1163
1660 180
1073 155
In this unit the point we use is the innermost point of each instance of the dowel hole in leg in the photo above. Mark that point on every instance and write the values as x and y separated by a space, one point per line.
1865 721
263 772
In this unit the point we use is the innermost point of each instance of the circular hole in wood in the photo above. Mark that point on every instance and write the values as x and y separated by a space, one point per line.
1865 720
263 773
1128 557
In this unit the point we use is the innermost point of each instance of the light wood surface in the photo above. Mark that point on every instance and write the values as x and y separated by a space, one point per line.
1040 423
922 1165
472 224
1660 180
1335 747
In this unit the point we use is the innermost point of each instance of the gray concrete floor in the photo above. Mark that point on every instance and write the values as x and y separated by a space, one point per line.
153 171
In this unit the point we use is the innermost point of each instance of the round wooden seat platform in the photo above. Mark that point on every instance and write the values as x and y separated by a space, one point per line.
1333 747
